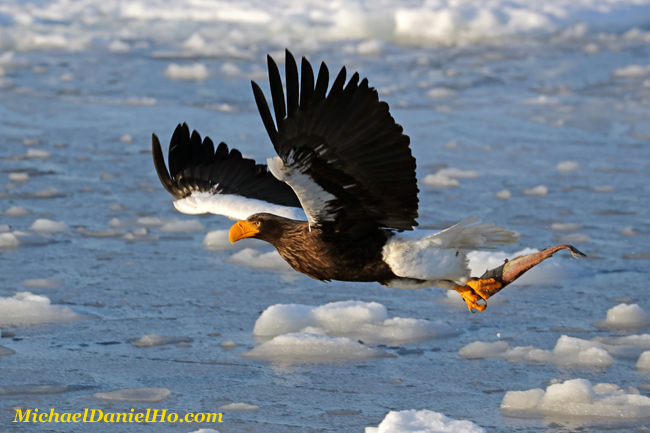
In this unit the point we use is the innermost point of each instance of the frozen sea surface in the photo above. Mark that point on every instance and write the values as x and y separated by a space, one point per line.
532 115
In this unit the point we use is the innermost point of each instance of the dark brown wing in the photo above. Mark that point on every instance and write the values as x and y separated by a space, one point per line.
342 152
194 165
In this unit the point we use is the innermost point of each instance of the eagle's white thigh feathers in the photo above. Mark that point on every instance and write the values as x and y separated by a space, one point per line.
424 255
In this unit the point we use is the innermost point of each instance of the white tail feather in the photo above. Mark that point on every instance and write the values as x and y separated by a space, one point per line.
471 234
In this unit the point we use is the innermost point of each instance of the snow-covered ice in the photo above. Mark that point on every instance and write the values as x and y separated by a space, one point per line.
6 351
539 191
142 395
196 71
504 194
42 283
19 177
568 351
8 241
624 316
567 166
150 340
643 363
257 259
366 321
46 226
25 308
577 397
15 211
422 421
239 406
302 347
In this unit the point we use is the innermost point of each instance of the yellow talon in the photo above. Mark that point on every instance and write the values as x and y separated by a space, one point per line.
470 296
484 288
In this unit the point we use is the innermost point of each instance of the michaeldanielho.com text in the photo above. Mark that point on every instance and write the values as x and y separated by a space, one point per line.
97 415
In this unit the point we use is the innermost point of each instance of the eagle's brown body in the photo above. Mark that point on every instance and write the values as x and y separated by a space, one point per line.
324 255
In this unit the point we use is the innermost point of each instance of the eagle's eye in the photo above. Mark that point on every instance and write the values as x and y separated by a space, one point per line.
257 223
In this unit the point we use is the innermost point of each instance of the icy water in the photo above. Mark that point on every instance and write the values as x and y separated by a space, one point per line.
567 110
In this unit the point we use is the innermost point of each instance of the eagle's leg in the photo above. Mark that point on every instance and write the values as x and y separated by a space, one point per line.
478 289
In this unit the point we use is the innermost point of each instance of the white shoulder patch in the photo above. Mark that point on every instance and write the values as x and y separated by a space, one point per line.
233 206
314 200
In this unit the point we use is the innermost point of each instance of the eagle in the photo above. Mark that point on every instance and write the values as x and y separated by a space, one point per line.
340 199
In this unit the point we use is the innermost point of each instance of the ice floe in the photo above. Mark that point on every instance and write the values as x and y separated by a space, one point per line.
46 226
567 351
644 361
441 93
422 421
4 351
150 340
182 226
42 283
632 71
303 347
538 191
194 72
37 154
566 227
366 321
8 241
19 177
239 406
257 259
440 181
624 316
218 240
25 308
504 194
33 389
568 166
15 211
144 395
578 397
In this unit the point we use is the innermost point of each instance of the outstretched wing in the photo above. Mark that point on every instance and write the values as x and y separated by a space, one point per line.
342 152
221 182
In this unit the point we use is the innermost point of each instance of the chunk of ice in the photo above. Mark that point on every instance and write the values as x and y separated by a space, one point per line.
644 361
441 93
567 166
182 226
195 72
539 191
567 351
422 421
8 241
504 194
366 321
311 348
16 211
256 259
144 395
624 316
239 406
4 351
38 153
150 340
632 71
566 227
42 283
440 181
25 308
19 177
33 389
45 226
577 397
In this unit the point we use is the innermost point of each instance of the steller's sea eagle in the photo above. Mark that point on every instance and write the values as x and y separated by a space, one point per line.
344 161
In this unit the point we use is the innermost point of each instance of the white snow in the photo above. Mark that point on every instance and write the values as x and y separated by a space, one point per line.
566 227
25 308
42 283
8 241
256 259
577 397
218 240
19 177
641 341
422 421
182 226
142 395
625 316
312 348
539 191
239 406
504 194
6 351
194 72
45 226
440 181
568 351
150 340
16 211
568 166
644 361
366 321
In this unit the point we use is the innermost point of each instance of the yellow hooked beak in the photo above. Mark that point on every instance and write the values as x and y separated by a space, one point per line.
240 230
